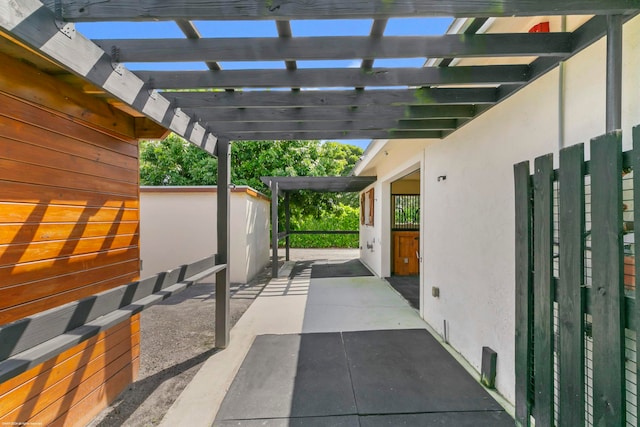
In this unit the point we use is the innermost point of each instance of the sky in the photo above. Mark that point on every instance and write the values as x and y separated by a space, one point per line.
306 28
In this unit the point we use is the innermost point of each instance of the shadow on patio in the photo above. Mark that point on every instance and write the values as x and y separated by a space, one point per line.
328 344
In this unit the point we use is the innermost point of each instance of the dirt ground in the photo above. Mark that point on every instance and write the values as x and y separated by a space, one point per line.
177 337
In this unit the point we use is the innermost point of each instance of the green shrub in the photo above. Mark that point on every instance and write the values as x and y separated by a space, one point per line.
343 218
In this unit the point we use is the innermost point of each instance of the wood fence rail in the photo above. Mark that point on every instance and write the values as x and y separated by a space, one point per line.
30 341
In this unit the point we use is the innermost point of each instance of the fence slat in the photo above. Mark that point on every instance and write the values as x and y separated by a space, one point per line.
635 164
608 294
569 292
542 290
523 293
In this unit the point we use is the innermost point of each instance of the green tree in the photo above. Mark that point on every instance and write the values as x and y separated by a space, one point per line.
174 161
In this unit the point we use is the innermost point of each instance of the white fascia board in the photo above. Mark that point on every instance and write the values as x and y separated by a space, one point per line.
369 154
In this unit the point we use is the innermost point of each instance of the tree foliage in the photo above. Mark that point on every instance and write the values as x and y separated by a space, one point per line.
174 161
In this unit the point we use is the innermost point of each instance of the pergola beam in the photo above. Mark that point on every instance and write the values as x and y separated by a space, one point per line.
291 49
147 10
336 126
246 115
346 98
35 25
332 135
336 77
189 29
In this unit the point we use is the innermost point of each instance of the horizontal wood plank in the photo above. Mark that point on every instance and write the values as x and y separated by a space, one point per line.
33 396
33 413
21 192
27 153
337 77
22 81
63 266
86 409
14 171
320 126
123 10
22 122
91 347
12 254
339 47
367 113
20 294
330 135
33 233
336 98
37 306
24 213
37 329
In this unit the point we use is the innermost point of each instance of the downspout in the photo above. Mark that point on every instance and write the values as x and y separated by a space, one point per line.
561 93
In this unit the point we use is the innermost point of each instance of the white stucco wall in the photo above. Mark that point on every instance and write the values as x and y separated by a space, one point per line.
401 158
468 219
178 226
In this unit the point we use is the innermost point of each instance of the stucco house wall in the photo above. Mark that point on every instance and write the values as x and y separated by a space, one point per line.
468 233
179 226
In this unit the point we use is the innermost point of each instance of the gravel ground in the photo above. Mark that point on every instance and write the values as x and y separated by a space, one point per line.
177 337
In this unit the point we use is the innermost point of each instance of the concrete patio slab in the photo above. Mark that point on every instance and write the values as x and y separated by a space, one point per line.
447 419
394 373
292 305
341 421
291 376
408 371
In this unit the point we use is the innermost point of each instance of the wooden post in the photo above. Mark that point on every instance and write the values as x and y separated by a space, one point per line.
570 282
222 257
607 288
614 72
274 229
524 296
543 291
287 223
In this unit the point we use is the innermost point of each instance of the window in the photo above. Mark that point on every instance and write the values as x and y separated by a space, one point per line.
366 208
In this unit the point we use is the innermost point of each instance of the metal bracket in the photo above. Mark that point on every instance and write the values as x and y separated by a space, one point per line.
115 61
153 94
66 28
117 67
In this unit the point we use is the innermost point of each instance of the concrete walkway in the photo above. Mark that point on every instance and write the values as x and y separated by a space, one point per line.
288 307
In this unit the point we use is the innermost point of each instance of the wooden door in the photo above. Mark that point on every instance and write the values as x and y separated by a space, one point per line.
406 245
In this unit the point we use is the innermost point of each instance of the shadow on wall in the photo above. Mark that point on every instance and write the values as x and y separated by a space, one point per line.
57 252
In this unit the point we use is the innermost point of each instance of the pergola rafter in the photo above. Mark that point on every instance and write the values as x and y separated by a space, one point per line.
318 103
125 10
290 49
337 77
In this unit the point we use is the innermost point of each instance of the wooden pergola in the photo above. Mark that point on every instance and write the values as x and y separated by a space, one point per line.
211 108
284 185
250 104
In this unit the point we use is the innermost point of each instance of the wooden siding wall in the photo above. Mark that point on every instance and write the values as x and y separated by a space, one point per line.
69 225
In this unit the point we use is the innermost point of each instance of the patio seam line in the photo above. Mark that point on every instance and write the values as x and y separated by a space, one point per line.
353 391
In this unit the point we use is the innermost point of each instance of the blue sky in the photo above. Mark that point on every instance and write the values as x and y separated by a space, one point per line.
306 28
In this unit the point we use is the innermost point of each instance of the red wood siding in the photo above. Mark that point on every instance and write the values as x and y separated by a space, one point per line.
69 228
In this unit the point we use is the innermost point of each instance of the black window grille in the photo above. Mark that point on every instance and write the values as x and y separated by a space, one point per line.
405 210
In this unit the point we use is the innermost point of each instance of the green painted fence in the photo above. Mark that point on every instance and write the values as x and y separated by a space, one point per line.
576 286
